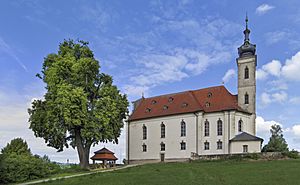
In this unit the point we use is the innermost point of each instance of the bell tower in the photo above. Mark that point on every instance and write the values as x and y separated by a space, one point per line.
246 63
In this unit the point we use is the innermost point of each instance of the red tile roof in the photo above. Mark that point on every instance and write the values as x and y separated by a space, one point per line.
210 99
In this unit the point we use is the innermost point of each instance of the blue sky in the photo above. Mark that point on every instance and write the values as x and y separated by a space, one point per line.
153 47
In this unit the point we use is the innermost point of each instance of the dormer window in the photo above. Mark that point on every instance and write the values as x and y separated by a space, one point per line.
171 99
153 102
207 104
184 104
165 107
148 110
209 94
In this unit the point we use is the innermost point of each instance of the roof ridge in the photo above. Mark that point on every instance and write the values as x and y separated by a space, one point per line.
193 95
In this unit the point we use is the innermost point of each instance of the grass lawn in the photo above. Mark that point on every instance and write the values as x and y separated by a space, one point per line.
205 172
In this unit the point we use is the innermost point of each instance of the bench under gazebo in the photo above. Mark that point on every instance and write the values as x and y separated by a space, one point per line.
106 156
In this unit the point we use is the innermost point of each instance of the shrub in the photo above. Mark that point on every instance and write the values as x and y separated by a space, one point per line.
291 154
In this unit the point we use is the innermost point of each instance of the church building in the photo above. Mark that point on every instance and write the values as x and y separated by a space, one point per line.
208 121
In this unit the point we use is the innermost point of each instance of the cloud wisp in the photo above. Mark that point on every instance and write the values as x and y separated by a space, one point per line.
263 9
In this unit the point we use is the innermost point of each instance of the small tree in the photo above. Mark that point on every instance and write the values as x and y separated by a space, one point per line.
16 146
81 107
276 143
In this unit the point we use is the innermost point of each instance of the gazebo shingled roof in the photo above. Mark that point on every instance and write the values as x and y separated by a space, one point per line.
104 154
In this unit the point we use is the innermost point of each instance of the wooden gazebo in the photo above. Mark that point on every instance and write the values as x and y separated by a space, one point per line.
104 155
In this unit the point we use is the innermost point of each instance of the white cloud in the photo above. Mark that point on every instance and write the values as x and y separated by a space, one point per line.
295 100
272 68
261 74
263 127
296 130
264 8
276 36
137 91
278 97
291 68
228 75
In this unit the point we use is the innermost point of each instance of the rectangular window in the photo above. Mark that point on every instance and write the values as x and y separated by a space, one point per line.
183 129
219 145
162 147
206 128
245 148
144 148
206 145
182 145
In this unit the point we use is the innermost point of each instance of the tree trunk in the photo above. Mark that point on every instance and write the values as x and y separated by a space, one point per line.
83 151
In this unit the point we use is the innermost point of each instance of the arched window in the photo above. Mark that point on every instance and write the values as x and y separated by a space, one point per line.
144 132
162 130
240 125
162 146
183 129
246 98
206 145
219 127
206 128
246 73
219 145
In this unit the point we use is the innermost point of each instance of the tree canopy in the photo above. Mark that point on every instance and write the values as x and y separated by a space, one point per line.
16 146
276 143
81 107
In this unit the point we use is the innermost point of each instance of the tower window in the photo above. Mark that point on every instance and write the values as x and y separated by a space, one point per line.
219 127
246 73
206 128
240 125
162 146
144 132
162 130
183 129
246 98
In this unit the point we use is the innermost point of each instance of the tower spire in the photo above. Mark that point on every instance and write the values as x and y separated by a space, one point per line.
246 48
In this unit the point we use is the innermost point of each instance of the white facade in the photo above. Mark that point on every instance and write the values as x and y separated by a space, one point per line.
195 137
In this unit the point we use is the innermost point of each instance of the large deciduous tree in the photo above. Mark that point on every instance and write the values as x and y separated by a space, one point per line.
276 143
81 107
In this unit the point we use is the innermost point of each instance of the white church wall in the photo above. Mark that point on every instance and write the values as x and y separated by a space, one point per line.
172 137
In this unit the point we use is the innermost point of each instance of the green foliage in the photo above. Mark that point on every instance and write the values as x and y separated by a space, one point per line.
81 107
16 146
19 165
291 154
276 143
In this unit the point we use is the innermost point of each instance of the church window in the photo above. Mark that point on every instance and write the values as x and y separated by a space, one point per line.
245 148
246 73
206 145
206 128
162 130
162 146
144 147
183 129
240 125
246 98
219 145
144 132
165 107
220 127
182 145
170 99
